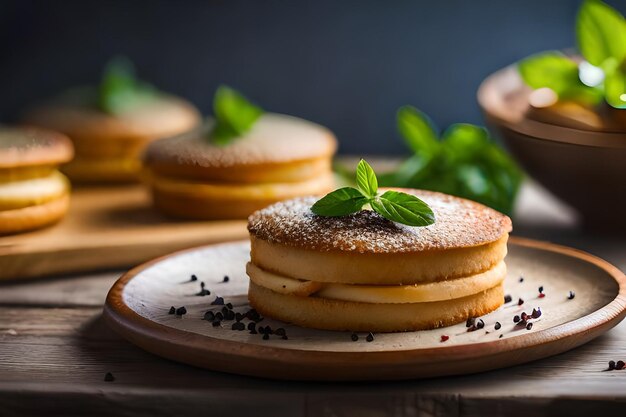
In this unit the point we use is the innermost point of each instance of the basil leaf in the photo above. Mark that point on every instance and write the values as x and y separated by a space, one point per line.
549 69
366 179
340 202
119 88
234 115
615 89
600 32
403 208
418 131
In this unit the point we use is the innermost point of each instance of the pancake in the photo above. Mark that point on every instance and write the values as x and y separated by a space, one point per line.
362 272
98 136
33 217
32 192
281 157
364 248
279 148
30 149
328 314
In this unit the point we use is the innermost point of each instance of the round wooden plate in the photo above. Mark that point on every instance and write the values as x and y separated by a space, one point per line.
138 304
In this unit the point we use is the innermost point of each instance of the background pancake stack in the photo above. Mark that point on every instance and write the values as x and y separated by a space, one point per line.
364 273
109 146
281 157
32 192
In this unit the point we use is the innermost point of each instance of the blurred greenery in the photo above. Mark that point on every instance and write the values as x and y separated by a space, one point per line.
462 161
234 115
120 89
601 38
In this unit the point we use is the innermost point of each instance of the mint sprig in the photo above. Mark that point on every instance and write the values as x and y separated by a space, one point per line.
462 161
234 115
601 39
392 205
120 90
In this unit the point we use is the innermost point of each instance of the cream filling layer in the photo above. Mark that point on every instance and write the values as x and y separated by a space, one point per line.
31 192
317 185
381 294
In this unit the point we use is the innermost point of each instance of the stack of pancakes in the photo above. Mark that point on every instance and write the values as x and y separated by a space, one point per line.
281 157
32 192
109 146
364 273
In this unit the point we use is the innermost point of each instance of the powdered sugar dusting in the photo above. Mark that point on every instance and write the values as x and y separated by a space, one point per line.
458 223
274 138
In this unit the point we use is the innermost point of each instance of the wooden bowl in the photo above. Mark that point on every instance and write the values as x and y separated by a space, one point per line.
577 154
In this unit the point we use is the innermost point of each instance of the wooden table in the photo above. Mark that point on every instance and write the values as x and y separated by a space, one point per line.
55 351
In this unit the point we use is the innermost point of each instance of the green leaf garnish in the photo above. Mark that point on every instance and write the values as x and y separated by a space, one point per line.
463 162
403 208
549 69
120 90
600 32
234 115
601 38
418 130
340 202
392 205
366 179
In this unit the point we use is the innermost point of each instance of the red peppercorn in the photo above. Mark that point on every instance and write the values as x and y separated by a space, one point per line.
444 338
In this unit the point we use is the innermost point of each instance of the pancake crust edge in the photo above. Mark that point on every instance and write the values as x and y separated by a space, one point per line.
459 223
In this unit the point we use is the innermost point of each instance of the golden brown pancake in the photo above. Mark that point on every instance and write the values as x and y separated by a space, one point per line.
32 192
363 272
99 137
282 157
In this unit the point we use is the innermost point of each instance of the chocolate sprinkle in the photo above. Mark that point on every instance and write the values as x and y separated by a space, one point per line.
480 324
108 377
529 326
181 311
238 326
209 316
497 326
507 298
193 278
219 301
520 302
470 322
619 365
266 336
172 310
516 319
571 295
611 365
536 313
500 337
521 279
226 279
370 337
354 337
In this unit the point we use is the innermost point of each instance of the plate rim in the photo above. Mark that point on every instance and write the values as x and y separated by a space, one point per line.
167 341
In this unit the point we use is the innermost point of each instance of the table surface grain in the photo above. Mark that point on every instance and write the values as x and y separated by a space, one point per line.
55 351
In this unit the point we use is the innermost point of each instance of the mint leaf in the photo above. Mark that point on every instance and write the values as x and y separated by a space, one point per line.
393 205
119 88
403 208
418 131
340 202
549 69
234 115
615 89
366 179
600 32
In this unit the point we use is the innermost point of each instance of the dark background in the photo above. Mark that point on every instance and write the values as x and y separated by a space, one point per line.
345 64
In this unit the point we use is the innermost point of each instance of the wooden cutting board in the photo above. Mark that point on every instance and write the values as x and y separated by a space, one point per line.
138 304
106 228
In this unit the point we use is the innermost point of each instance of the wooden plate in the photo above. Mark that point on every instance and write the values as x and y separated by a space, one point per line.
137 307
